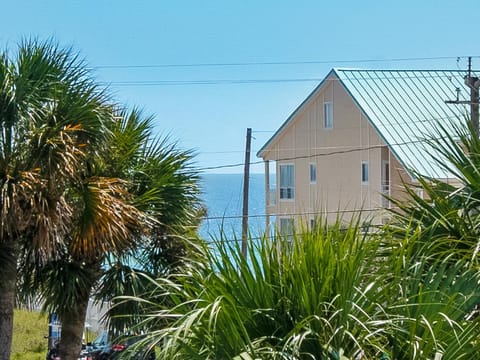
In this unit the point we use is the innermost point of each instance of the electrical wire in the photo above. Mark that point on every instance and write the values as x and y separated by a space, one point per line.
206 82
275 63
323 148
335 152
322 212
221 236
434 74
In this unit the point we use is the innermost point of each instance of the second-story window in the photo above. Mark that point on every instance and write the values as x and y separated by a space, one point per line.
287 181
364 172
313 173
328 115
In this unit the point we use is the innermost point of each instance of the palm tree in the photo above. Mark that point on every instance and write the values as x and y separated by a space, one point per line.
448 213
135 194
50 113
165 186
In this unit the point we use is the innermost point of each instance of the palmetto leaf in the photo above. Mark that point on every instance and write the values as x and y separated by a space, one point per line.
449 213
107 224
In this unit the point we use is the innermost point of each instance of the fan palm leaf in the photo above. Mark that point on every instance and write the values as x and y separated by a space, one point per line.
42 143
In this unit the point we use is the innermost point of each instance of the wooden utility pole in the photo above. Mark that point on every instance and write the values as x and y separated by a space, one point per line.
246 180
474 84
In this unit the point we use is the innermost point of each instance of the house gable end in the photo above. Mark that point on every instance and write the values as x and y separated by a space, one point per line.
296 114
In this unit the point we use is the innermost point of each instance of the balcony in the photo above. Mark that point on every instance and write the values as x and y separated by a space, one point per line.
386 192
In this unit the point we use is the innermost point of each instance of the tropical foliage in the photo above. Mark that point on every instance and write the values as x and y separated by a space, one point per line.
407 291
85 188
50 113
137 196
448 211
92 203
332 293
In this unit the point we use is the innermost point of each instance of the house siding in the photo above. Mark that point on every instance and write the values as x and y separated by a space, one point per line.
336 153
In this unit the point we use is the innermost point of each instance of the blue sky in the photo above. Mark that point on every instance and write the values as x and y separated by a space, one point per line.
212 117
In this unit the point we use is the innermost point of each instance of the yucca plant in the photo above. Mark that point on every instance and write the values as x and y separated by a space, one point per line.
305 297
440 288
331 293
429 301
448 212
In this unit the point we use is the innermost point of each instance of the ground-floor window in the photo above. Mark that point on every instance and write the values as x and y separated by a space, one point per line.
286 227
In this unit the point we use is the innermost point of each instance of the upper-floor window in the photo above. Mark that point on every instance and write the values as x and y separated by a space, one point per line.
328 115
287 181
364 172
313 173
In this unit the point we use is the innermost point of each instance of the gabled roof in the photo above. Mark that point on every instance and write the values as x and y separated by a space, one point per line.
404 106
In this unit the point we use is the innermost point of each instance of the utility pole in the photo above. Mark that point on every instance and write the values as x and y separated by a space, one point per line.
474 84
246 180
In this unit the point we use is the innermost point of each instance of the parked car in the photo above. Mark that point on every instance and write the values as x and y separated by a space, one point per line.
130 346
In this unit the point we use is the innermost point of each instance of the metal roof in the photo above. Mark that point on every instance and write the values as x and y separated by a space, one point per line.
405 106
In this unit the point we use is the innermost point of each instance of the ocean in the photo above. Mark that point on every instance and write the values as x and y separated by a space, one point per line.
223 196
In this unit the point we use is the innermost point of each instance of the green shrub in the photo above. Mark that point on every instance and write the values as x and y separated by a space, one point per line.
334 293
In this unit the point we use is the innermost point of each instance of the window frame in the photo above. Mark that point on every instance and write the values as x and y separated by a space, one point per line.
328 115
286 227
286 191
365 173
313 179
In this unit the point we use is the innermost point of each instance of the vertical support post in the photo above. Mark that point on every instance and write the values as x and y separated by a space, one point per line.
246 180
267 198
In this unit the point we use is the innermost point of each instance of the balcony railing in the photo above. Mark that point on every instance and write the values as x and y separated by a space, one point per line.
272 197
386 192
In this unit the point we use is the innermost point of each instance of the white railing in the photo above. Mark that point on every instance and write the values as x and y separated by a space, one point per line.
272 196
386 191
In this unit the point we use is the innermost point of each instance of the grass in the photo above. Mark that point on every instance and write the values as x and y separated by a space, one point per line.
29 331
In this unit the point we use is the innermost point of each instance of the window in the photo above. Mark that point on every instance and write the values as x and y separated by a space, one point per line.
286 228
287 182
364 172
328 115
313 173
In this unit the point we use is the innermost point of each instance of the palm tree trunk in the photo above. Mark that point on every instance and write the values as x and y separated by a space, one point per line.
73 323
8 280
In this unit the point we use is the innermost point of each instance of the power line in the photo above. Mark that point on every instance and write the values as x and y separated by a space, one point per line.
206 82
223 152
315 213
225 166
275 63
321 212
335 152
435 74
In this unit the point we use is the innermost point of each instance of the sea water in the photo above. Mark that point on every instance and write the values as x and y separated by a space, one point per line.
222 195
